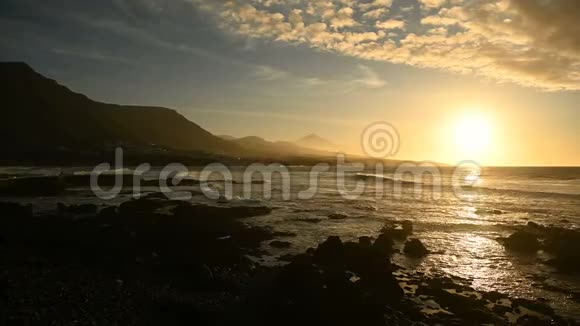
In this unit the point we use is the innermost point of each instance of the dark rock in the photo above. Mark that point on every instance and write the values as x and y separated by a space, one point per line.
536 306
309 220
501 310
104 180
108 212
365 242
15 210
415 248
383 245
258 182
287 257
522 241
330 251
398 231
563 244
280 244
189 276
436 284
140 206
528 320
302 210
33 186
337 216
489 211
84 209
249 211
283 234
322 284
492 296
407 227
152 196
234 212
181 208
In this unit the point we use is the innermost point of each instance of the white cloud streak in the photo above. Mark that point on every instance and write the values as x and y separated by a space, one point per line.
527 42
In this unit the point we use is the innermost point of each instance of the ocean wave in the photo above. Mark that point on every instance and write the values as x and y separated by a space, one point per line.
124 171
532 192
384 178
387 179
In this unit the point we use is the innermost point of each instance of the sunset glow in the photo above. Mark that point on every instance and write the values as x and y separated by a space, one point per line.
473 136
290 162
489 80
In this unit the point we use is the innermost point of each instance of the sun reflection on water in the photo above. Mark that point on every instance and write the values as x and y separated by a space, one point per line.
480 260
468 212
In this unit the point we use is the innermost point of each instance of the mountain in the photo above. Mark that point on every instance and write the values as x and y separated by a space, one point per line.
38 114
264 147
227 137
253 142
316 142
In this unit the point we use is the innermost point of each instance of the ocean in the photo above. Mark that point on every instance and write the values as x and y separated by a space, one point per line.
461 229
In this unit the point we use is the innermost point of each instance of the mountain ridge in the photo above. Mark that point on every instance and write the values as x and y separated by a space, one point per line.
45 122
40 113
283 148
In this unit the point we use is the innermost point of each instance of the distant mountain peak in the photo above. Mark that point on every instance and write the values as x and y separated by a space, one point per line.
316 142
253 138
312 136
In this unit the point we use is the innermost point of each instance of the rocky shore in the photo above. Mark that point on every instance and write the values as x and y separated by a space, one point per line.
561 243
155 261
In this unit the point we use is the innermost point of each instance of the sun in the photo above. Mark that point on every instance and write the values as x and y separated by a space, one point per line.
473 136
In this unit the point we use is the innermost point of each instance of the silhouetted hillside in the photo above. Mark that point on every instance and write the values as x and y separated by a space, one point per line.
38 114
278 148
227 137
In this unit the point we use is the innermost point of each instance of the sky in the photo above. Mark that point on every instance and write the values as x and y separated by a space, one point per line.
496 81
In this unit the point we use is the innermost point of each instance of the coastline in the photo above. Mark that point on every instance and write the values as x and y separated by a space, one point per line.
161 260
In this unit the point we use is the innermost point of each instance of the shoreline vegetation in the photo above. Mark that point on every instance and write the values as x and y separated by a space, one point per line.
154 260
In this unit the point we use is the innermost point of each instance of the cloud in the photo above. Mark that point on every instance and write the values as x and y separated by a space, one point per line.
530 43
137 8
429 4
438 20
343 18
362 77
93 55
376 4
314 81
375 14
391 24
269 73
369 78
